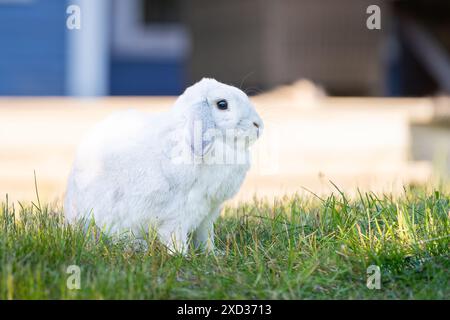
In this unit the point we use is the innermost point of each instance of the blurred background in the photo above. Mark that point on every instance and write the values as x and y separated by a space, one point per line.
364 108
158 47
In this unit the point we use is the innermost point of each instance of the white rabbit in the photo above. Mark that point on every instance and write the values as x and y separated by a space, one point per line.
136 171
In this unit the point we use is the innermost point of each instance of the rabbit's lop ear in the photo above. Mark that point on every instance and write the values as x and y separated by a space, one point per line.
200 128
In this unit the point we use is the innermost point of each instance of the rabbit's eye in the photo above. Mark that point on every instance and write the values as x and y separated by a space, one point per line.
222 104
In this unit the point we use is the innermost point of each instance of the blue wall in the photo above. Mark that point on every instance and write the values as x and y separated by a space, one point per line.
134 76
32 47
33 57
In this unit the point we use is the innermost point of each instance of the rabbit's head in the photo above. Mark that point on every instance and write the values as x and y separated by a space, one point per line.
215 108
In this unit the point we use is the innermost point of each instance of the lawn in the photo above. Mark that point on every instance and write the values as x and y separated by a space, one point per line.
304 247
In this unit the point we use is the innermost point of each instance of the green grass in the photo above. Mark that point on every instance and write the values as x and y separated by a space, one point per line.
296 248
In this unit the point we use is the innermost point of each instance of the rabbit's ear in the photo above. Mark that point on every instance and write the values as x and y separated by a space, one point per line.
200 128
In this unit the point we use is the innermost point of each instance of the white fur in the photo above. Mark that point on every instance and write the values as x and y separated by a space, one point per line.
127 174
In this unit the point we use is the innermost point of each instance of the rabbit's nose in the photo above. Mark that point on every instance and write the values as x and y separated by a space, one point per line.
258 128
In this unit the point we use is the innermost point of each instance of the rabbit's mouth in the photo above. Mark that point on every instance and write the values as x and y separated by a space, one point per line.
251 131
241 138
258 132
247 136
